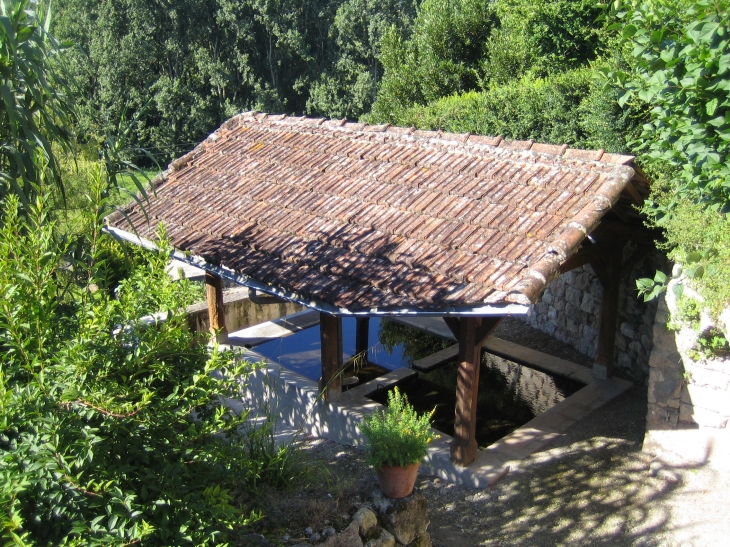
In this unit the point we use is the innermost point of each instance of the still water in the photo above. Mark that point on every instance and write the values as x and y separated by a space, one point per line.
300 352
510 394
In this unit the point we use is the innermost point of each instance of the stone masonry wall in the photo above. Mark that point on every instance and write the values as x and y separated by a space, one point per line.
570 307
684 393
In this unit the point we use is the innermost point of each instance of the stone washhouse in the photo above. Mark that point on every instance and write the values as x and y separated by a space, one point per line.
357 220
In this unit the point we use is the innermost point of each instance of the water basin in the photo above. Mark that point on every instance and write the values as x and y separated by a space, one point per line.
510 395
392 345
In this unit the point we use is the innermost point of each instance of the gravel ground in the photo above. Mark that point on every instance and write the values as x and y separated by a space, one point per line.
591 486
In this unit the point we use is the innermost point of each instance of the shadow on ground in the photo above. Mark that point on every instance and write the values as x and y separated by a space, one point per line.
591 487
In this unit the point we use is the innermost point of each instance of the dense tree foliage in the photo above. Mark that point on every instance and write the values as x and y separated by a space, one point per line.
33 108
108 425
442 56
98 444
185 66
350 86
682 71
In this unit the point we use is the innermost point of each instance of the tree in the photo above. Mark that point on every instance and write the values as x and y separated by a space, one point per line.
349 87
682 72
440 58
536 39
183 67
35 110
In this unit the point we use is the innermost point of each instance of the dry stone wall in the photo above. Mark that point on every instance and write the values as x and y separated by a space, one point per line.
684 393
570 310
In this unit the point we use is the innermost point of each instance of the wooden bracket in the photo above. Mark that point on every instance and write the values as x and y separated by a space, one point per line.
585 255
263 299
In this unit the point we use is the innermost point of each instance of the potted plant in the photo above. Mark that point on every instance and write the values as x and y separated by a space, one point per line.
397 440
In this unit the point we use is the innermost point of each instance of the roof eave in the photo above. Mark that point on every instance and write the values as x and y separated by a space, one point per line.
486 310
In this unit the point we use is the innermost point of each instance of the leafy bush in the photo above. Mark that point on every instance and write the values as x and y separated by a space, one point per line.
397 435
568 108
35 111
713 342
441 56
536 39
111 431
689 312
699 239
680 69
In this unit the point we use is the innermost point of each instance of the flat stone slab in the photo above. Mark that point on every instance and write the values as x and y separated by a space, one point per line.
273 330
437 359
381 382
537 359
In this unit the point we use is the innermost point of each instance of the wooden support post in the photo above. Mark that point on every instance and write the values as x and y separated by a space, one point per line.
216 311
472 331
610 277
330 328
361 336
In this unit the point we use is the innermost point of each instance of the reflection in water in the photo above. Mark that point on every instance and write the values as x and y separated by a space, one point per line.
510 395
414 344
392 345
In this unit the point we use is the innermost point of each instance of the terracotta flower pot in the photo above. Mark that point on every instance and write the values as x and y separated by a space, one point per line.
396 481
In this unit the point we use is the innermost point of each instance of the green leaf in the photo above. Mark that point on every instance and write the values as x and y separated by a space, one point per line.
678 290
711 106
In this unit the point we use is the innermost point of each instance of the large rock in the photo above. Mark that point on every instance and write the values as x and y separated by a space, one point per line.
421 541
386 539
349 537
406 518
367 521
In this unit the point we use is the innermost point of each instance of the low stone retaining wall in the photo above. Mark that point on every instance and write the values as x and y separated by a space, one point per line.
240 312
684 393
570 310
688 399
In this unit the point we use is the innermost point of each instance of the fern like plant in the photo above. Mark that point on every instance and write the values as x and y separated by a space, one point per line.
397 435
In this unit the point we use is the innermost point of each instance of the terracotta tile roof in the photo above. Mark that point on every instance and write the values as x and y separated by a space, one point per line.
362 216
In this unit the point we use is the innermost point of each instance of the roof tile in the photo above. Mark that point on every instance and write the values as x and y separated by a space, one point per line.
364 217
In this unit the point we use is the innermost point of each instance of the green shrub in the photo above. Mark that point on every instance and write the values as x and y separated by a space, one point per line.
679 70
112 432
689 311
700 237
713 342
536 39
568 108
397 435
441 56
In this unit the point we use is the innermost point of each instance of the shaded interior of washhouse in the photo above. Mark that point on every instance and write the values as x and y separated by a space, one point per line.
510 394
